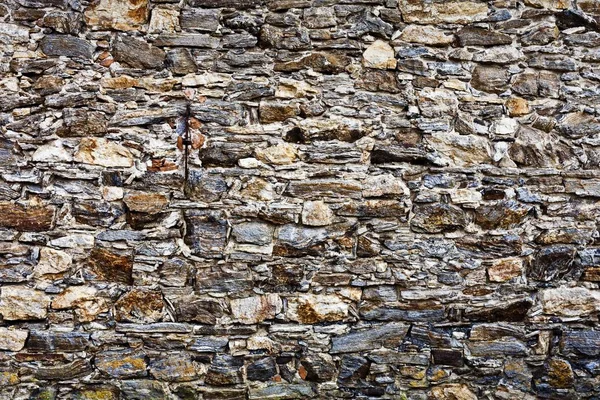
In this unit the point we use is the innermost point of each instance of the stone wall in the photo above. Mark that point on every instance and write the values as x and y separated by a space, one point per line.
390 199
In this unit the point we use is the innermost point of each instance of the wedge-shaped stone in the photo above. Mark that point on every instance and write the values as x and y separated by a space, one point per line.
371 338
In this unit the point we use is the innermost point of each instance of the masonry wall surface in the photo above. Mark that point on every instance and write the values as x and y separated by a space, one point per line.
393 199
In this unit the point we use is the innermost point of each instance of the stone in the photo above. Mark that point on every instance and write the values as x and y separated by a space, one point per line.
32 217
436 218
77 122
122 364
517 107
112 267
151 203
22 303
584 342
187 40
97 151
261 370
327 63
379 55
426 35
311 309
206 20
13 33
136 53
277 112
437 103
256 309
369 339
253 232
83 299
180 61
137 389
53 152
224 370
12 339
48 341
462 150
316 213
163 20
475 36
454 391
504 270
140 306
52 262
552 262
174 368
68 46
319 367
461 12
502 215
281 154
560 374
207 233
121 15
569 302
490 79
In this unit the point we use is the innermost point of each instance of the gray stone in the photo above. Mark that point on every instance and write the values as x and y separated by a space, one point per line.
68 46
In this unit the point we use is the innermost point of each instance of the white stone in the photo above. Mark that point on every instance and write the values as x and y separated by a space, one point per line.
570 302
255 309
310 308
52 152
13 33
99 151
281 154
425 34
164 20
23 303
208 79
12 339
379 55
52 262
112 193
381 185
505 126
316 213
250 162
290 89
77 240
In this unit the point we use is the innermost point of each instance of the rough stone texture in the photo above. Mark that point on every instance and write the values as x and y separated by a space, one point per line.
393 199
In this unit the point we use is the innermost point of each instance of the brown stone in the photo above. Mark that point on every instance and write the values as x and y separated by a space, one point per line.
502 215
144 202
517 107
560 374
490 79
505 269
311 309
452 391
276 112
140 306
30 218
108 266
329 63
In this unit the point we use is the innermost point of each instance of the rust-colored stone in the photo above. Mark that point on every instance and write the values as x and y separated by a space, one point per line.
29 218
108 266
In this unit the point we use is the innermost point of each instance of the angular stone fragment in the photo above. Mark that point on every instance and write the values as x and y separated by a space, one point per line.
206 233
426 35
379 55
29 218
461 150
460 12
560 373
507 346
144 202
325 188
277 112
311 309
577 125
102 152
224 370
52 262
452 391
505 269
239 4
197 309
137 53
180 62
123 15
12 339
50 341
253 310
373 338
318 367
200 19
328 63
139 305
570 302
163 20
475 36
262 370
139 389
490 79
122 364
253 232
437 218
316 213
111 267
502 215
61 372
584 342
175 368
552 262
23 303
437 102
512 311
281 154
79 122
187 40
13 33
68 46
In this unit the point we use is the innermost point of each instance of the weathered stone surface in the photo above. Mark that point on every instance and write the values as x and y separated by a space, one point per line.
137 53
66 45
426 35
22 303
369 339
12 339
490 79
461 150
505 269
175 368
570 301
502 215
329 63
475 36
461 12
253 232
436 218
252 310
454 391
52 262
30 218
103 152
116 14
379 55
141 306
109 266
310 309
122 364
